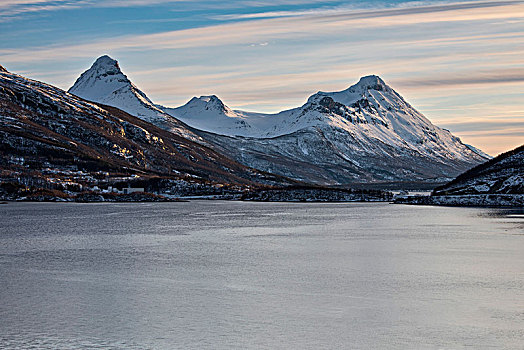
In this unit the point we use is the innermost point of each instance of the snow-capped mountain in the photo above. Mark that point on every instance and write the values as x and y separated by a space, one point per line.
105 83
45 129
208 113
369 110
366 133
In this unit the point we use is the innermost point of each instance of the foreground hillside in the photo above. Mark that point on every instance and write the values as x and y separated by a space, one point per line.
365 134
52 139
501 175
497 182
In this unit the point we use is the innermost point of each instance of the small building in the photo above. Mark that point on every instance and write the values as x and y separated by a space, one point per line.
130 190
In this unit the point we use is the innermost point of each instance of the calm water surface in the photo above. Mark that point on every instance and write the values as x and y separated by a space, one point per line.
233 275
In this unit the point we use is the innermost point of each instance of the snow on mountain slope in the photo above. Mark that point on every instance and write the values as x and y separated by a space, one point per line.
105 83
365 133
478 151
369 110
209 113
43 128
503 174
498 182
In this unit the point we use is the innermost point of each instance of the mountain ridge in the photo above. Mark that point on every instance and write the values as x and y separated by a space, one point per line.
104 82
365 133
47 131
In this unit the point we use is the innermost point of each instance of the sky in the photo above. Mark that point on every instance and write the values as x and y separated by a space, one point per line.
459 63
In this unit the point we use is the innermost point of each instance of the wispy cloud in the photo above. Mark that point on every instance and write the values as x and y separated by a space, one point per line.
450 59
13 4
276 14
348 11
499 125
501 76
10 9
281 28
5 4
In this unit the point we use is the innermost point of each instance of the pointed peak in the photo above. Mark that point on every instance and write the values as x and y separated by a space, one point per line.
371 82
206 100
105 65
375 79
2 69
356 91
100 80
210 99
106 60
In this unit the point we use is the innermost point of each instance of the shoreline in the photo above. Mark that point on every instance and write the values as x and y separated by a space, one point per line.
473 200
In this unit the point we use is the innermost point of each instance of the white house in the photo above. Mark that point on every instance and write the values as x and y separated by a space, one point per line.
129 190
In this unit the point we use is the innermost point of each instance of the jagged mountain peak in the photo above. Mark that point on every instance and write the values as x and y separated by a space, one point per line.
2 69
209 113
56 132
370 82
368 131
362 89
104 69
209 102
106 63
104 82
105 59
102 79
208 98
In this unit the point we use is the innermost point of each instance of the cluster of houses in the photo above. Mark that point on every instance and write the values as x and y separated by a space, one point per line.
125 190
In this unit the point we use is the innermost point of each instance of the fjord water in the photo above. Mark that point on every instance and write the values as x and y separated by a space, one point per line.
226 275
